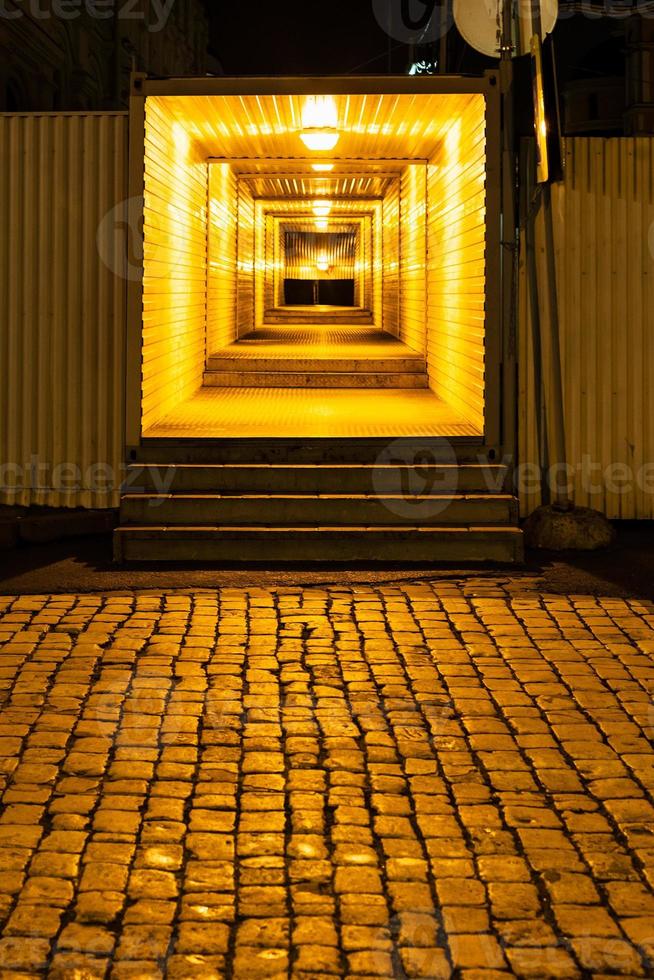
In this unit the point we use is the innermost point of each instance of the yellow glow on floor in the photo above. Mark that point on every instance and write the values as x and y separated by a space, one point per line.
299 341
290 413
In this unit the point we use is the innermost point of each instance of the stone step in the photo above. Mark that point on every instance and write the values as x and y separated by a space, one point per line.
419 451
225 361
347 315
280 478
319 378
321 544
317 510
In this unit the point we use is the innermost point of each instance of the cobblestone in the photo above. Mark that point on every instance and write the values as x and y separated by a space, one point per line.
415 780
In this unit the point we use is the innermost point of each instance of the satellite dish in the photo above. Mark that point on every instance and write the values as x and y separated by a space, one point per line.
480 21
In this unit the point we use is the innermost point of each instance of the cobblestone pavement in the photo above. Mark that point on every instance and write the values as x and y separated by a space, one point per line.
413 780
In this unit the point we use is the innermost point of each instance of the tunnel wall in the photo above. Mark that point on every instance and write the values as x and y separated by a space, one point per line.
175 264
221 257
377 265
267 247
391 259
372 258
358 272
246 260
302 251
413 256
456 262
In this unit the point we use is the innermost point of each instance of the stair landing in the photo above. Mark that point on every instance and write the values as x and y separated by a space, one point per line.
304 340
370 493
310 356
300 413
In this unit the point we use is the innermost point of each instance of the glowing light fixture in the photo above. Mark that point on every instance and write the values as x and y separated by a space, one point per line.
322 224
322 263
319 123
322 167
321 209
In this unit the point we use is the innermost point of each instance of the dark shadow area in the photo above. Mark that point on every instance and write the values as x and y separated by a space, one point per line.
85 565
336 292
625 569
319 292
299 292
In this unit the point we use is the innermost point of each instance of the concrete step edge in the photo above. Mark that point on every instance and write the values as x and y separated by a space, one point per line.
317 467
199 530
330 379
311 495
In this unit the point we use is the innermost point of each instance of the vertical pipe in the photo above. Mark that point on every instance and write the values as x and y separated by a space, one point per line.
534 314
556 426
442 56
551 338
509 186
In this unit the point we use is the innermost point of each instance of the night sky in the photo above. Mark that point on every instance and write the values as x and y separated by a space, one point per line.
297 37
300 37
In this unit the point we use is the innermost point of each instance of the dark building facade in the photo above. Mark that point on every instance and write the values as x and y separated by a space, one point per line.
78 54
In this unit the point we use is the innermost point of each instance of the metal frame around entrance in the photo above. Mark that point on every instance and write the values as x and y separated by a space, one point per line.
498 440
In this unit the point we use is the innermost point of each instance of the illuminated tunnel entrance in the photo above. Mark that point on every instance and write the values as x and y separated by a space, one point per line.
317 365
319 251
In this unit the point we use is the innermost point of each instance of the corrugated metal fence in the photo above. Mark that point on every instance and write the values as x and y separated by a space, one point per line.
604 232
63 261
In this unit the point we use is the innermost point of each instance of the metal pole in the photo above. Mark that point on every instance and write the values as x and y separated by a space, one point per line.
534 310
556 420
442 56
551 338
389 42
509 205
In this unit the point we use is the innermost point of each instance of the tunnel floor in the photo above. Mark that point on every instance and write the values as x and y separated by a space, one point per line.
302 340
296 412
317 412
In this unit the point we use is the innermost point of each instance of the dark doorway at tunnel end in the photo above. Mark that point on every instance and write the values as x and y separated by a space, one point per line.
319 292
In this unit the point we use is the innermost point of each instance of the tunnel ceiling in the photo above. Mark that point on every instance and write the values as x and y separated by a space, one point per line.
371 127
306 185
296 206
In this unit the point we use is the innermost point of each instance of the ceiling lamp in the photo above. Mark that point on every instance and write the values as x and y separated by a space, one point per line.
322 167
319 123
322 264
321 209
322 224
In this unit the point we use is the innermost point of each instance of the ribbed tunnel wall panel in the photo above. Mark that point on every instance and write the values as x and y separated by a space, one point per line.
456 230
63 267
221 258
175 264
371 255
603 225
246 260
302 251
358 272
413 256
377 263
266 248
391 259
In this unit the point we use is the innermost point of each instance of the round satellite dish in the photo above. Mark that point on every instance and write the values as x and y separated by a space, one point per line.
479 23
